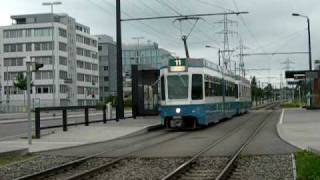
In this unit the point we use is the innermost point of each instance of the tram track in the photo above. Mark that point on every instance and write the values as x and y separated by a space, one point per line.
192 168
65 170
93 165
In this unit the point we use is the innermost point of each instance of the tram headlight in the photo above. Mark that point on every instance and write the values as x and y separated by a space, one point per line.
178 110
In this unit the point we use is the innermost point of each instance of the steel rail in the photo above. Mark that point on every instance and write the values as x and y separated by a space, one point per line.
182 167
55 170
231 163
89 173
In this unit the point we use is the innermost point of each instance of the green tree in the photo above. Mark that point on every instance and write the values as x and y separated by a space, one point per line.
21 82
254 89
269 91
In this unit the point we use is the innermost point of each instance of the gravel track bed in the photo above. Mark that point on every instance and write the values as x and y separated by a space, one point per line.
142 168
204 167
32 165
264 167
69 172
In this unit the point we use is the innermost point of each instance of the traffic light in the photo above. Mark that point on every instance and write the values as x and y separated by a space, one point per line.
36 66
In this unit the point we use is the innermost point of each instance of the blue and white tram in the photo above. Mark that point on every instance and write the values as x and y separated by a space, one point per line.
200 93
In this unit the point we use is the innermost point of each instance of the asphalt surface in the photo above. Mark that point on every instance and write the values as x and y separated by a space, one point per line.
165 143
12 130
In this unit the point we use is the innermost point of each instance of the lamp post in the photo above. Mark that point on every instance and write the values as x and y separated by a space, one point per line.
51 4
219 52
310 55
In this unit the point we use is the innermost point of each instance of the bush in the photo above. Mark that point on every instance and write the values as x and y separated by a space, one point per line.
293 104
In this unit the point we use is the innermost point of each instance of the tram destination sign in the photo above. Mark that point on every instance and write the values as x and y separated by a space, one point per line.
177 65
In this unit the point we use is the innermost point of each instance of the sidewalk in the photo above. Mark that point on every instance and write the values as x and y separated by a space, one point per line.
81 134
300 128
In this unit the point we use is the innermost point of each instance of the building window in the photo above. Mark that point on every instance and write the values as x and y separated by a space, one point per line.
94 67
106 78
19 47
87 53
39 32
45 60
86 41
80 77
94 55
28 46
95 79
106 89
13 33
13 62
105 68
79 38
99 48
63 89
88 78
63 60
13 47
80 90
80 64
11 75
62 46
80 51
43 46
28 32
87 65
62 32
43 75
63 74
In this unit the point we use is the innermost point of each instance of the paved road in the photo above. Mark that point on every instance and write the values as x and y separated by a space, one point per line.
166 143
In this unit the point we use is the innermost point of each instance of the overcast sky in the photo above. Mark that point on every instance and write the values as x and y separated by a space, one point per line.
269 26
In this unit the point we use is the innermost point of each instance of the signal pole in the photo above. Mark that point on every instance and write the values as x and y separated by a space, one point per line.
119 108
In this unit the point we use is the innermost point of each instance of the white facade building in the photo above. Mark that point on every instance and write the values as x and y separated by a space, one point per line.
70 56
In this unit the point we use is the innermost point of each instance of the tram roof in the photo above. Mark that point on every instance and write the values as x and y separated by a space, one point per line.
204 63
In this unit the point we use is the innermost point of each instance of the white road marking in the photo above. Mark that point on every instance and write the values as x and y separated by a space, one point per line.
281 117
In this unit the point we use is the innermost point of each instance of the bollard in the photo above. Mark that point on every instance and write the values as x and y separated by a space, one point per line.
109 107
104 114
86 116
37 123
64 120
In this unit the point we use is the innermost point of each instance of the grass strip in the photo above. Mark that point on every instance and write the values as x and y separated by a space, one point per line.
308 165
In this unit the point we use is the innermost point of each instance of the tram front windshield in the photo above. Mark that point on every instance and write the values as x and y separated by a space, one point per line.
178 87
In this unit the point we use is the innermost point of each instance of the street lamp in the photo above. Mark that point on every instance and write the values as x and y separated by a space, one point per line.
310 56
309 39
219 51
51 4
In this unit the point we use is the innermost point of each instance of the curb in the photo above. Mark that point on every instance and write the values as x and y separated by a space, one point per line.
15 152
146 129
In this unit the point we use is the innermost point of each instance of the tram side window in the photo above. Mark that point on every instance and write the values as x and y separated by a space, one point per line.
217 87
236 91
197 92
163 97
